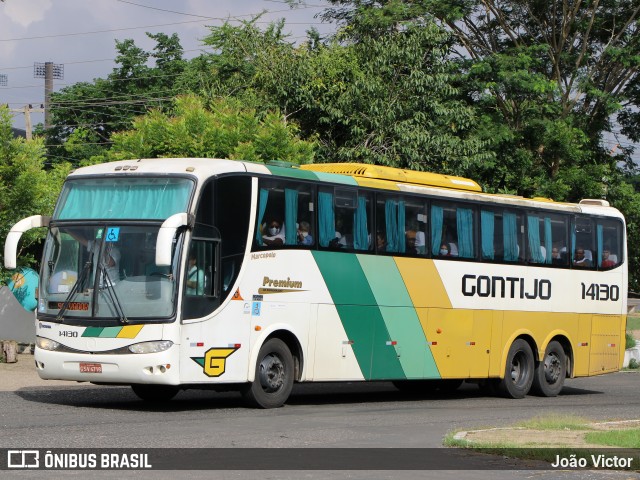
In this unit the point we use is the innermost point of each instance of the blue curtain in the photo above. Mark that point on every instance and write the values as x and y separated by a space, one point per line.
395 225
360 233
326 218
487 225
548 240
600 234
510 236
401 227
573 242
290 216
262 207
533 234
436 229
391 225
149 201
464 222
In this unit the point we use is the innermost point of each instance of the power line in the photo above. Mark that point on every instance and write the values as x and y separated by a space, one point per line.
226 19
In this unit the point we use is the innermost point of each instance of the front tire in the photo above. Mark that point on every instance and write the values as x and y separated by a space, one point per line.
518 375
549 375
155 393
273 380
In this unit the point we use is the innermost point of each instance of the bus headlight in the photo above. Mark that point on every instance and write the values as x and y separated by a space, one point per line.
47 343
151 347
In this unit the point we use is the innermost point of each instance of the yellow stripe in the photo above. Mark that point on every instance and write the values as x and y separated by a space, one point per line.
130 331
423 283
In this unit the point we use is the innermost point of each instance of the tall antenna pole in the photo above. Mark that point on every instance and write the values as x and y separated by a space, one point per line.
48 71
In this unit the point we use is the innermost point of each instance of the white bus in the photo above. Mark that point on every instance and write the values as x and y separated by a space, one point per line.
167 274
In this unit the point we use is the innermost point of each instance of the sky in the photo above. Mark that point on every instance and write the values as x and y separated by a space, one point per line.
81 34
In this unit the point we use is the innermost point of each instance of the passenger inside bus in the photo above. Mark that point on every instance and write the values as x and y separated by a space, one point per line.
410 236
607 259
273 233
381 242
444 250
304 237
195 277
581 259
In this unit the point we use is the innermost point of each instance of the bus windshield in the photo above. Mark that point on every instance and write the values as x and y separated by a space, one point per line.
106 271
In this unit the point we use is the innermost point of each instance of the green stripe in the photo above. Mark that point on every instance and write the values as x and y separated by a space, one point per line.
92 332
110 332
336 178
399 316
360 315
292 172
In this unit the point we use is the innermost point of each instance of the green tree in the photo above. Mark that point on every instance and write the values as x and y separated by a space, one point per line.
93 111
224 130
389 99
27 187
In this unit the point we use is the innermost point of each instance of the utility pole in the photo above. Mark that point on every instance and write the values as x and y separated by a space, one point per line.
48 71
27 109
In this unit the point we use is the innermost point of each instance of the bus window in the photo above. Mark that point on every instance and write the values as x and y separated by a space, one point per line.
345 219
609 237
401 225
502 235
546 238
452 227
583 251
282 207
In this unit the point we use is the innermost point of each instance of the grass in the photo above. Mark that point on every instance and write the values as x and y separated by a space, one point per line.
616 438
633 322
629 438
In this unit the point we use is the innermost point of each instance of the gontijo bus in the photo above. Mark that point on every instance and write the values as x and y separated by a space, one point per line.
166 274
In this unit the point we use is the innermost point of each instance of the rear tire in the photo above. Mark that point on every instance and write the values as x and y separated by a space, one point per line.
273 377
549 375
518 375
155 393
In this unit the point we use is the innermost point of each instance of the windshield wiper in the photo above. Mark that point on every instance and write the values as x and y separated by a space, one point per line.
112 295
74 290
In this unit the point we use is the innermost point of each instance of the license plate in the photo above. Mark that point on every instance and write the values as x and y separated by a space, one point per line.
90 367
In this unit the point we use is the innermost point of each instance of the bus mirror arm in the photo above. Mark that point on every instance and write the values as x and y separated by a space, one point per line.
13 237
167 233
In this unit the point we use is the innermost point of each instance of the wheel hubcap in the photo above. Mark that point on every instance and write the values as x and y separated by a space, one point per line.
552 368
517 369
271 373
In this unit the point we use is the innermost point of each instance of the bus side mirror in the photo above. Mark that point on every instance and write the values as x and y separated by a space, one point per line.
13 237
167 233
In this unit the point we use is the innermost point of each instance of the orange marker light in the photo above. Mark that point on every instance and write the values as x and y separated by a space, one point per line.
257 328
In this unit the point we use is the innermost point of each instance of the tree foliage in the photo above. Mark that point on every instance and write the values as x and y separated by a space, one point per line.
391 100
93 111
223 130
27 187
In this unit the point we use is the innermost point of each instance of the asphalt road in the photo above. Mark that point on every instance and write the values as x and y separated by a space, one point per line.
317 415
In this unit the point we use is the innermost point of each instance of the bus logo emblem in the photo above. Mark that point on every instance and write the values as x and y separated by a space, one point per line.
214 361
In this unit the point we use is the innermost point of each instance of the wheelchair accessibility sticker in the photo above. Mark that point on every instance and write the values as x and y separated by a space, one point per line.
112 234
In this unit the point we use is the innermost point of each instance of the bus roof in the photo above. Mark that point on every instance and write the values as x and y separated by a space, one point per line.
377 172
354 174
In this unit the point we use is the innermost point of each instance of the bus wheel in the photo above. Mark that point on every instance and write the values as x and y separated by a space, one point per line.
274 376
518 375
155 393
549 375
